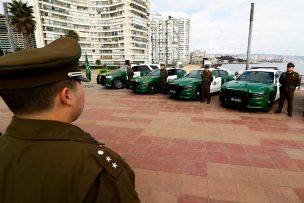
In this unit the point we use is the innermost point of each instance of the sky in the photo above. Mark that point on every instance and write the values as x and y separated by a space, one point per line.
222 26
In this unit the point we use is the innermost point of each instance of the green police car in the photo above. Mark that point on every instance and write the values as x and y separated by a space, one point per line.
190 86
117 78
256 88
151 82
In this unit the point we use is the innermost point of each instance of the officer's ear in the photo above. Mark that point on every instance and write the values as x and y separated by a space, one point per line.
66 96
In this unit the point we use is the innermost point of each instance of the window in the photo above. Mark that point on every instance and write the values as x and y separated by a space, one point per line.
154 67
216 73
172 72
223 73
135 68
144 68
180 72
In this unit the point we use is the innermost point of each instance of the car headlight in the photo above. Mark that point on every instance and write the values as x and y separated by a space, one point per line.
259 94
109 77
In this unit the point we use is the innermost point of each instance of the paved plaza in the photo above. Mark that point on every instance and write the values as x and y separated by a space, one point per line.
189 152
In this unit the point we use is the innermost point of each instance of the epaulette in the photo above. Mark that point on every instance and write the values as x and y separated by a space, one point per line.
109 161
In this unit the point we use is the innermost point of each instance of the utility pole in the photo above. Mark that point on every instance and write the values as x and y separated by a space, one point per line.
250 35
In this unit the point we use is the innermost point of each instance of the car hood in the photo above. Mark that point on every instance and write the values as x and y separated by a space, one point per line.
186 81
248 86
115 72
146 78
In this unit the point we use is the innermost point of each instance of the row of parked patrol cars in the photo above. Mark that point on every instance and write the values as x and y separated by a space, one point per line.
257 88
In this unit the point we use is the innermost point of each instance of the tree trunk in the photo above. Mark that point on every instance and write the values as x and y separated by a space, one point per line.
26 41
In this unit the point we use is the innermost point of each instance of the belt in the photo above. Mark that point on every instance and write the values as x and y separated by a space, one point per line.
291 88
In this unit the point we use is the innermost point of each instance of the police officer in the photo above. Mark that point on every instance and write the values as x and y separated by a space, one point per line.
130 75
206 82
289 80
44 158
163 79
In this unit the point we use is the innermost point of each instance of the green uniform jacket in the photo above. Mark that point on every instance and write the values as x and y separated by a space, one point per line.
56 162
130 73
206 77
290 80
163 74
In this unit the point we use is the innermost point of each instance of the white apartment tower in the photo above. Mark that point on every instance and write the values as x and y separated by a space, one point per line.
110 30
170 39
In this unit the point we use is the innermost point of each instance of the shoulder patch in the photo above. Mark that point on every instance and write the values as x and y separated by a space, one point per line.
109 161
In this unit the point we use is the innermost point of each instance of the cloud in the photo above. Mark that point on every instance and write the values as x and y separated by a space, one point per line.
221 26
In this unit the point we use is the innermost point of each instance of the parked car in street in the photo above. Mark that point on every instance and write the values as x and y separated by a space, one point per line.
151 82
257 88
190 86
117 79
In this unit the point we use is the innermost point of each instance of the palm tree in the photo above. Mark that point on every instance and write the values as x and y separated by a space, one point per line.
72 33
22 19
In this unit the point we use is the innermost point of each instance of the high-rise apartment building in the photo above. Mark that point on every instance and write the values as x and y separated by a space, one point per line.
110 30
16 40
170 39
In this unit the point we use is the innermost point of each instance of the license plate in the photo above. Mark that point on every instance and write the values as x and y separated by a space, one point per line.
172 91
236 99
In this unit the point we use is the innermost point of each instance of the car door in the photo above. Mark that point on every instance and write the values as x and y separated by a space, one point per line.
217 81
144 70
180 73
224 75
136 71
277 85
171 74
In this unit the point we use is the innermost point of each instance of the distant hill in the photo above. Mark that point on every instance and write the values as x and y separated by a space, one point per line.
255 58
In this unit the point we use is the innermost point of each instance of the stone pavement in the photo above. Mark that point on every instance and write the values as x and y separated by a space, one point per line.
188 152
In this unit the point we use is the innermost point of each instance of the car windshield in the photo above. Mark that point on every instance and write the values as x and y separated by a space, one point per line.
123 67
195 74
154 73
256 76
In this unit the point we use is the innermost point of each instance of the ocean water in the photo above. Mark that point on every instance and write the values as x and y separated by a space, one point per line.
282 66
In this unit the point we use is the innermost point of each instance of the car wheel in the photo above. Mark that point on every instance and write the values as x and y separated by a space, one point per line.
153 88
117 83
269 104
197 94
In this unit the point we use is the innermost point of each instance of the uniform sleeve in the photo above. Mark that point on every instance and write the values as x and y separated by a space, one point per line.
112 184
211 77
297 80
282 79
107 189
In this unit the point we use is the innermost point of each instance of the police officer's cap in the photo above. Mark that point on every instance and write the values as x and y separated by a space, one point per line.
290 65
206 66
55 62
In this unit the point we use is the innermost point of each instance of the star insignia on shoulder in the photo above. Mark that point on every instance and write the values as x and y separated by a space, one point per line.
114 165
108 159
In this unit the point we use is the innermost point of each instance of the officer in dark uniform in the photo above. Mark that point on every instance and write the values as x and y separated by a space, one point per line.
207 78
163 79
44 158
130 75
289 80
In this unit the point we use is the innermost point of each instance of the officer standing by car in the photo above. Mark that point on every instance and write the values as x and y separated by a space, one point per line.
163 78
289 80
130 75
206 82
44 157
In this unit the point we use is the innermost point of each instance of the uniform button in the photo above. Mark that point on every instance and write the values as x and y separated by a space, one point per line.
100 152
